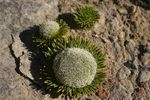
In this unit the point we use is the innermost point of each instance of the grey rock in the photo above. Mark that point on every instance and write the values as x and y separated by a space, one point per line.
23 55
4 87
145 76
121 38
146 59
15 17
127 85
130 64
18 47
120 93
25 66
117 51
123 73
130 47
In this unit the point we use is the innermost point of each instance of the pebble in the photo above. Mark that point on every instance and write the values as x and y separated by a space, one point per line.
146 59
18 47
130 46
123 11
127 84
103 93
130 64
122 37
120 93
25 66
12 85
142 92
123 73
145 76
102 19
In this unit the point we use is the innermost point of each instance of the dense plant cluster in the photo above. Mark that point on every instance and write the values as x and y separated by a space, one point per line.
50 51
85 17
71 65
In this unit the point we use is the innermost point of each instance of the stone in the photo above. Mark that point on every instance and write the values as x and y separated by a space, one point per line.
18 47
127 85
3 88
15 17
146 59
145 76
130 47
129 64
102 19
142 92
99 27
122 37
120 93
123 73
103 93
147 89
123 11
25 66
23 56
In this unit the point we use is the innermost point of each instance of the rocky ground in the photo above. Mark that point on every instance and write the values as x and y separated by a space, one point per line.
123 33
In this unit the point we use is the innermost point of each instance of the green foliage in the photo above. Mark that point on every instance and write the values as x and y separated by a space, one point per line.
63 31
86 17
49 49
75 67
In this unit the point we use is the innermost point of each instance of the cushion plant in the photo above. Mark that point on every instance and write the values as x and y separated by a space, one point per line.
52 29
73 67
49 28
85 17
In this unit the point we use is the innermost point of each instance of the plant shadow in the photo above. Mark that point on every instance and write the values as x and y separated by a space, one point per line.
69 19
36 60
142 3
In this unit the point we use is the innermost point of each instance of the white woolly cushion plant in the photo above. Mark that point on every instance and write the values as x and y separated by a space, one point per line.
49 28
75 67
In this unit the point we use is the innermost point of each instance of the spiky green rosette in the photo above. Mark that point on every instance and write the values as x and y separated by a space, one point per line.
86 17
78 54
